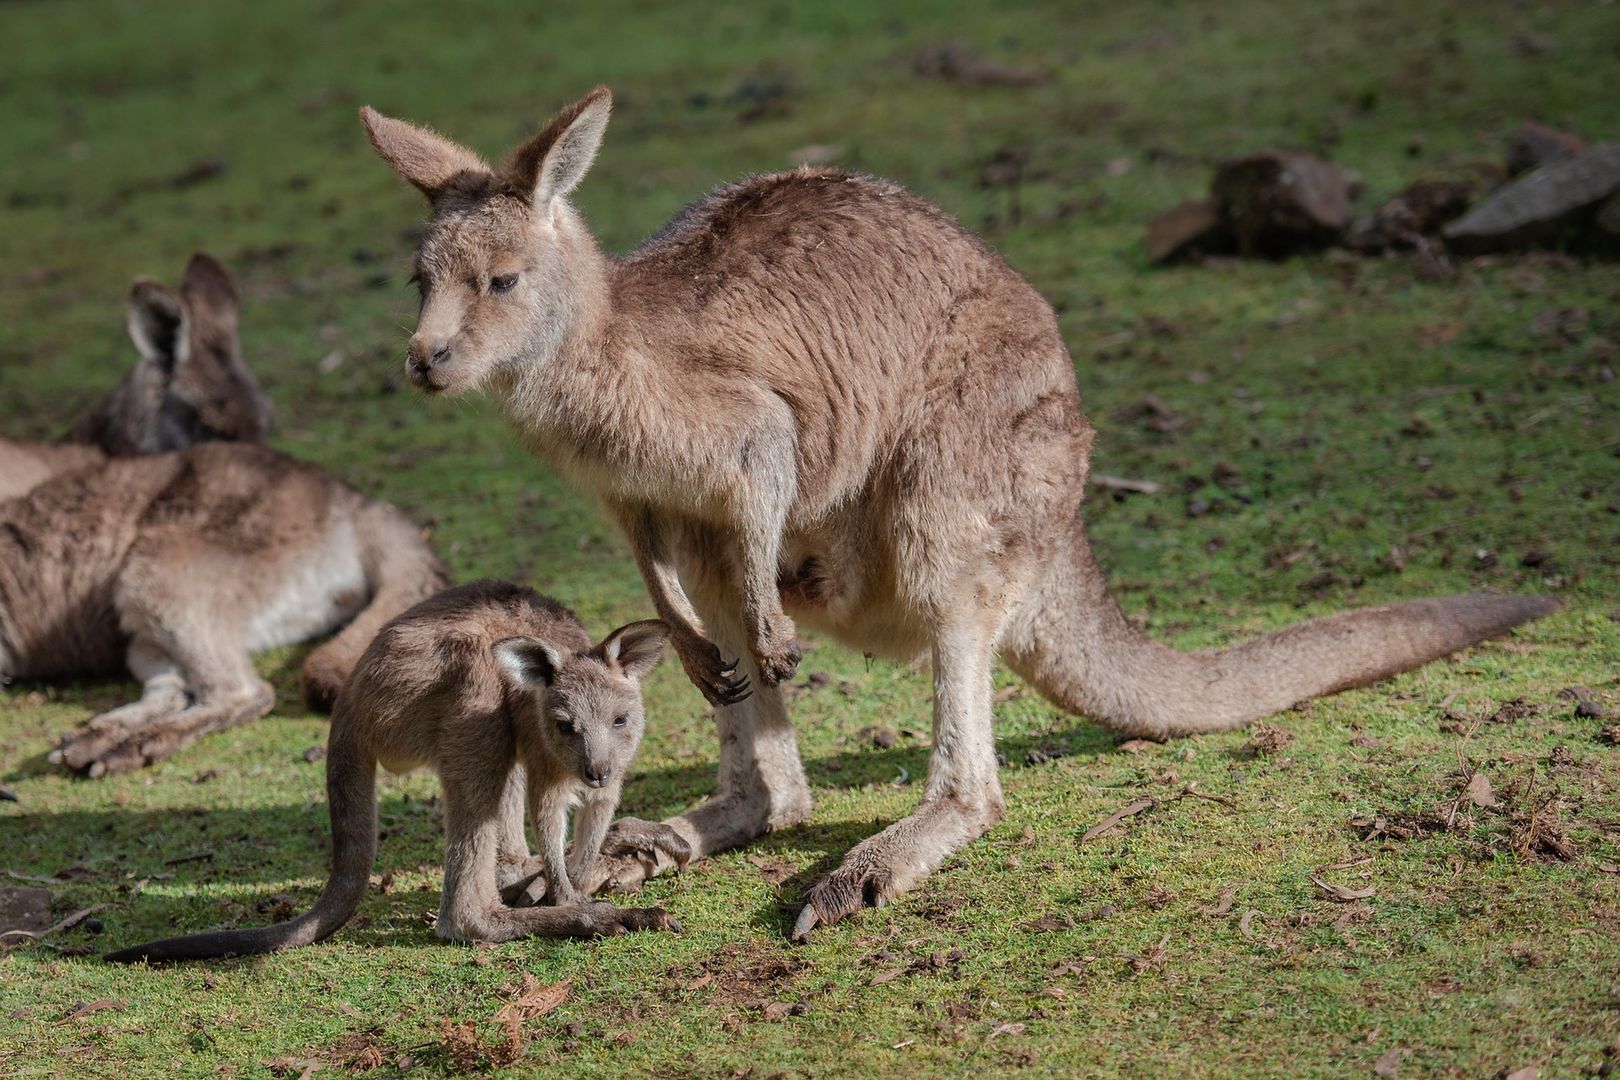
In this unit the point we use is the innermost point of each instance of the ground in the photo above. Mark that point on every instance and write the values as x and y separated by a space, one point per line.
1325 431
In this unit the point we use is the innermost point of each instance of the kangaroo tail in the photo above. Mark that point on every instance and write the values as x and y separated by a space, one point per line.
351 791
402 571
1076 646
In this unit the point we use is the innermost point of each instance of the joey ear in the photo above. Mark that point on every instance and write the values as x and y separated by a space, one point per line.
527 660
636 648
209 293
424 158
553 163
155 321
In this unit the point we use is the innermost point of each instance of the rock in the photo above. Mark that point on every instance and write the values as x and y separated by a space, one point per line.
1193 228
1280 203
1418 210
1535 145
1556 206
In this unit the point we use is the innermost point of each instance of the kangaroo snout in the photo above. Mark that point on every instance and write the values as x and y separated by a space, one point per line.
423 358
597 775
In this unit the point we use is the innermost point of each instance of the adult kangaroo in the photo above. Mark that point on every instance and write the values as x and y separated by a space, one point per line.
814 391
189 385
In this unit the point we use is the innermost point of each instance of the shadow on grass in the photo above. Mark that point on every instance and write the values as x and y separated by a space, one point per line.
225 857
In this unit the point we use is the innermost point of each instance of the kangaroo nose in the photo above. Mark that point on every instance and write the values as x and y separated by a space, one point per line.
425 356
598 774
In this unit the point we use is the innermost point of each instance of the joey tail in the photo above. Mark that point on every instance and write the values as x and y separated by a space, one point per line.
402 571
351 791
1076 646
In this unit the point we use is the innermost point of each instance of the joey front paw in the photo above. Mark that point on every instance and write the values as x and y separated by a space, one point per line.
647 839
716 679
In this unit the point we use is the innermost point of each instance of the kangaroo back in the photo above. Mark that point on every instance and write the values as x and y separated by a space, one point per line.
351 792
401 570
1080 651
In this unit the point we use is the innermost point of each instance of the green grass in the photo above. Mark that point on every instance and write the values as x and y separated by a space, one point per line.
1472 956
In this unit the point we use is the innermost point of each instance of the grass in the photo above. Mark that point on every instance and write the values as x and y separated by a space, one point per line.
1379 435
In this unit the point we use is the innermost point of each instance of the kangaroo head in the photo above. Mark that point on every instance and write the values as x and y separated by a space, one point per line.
585 708
504 265
190 384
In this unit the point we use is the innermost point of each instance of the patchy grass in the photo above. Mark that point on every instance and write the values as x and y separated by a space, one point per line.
1354 433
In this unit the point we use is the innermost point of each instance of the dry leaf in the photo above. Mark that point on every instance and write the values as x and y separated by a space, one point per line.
1245 922
1343 894
533 1000
1388 1064
1136 746
1014 1028
1118 816
774 871
1479 790
1047 924
887 976
1529 1072
81 1011
701 981
1224 904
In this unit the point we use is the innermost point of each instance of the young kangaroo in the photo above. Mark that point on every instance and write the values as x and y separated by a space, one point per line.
816 389
498 690
176 567
189 385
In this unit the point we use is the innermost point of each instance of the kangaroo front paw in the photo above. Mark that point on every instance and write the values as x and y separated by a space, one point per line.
778 653
634 852
716 679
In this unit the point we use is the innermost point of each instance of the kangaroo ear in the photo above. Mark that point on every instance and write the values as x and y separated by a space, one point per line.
209 294
424 158
553 163
635 648
155 320
526 660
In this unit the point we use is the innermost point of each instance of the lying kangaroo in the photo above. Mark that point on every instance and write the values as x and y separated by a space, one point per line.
815 389
177 566
189 385
497 689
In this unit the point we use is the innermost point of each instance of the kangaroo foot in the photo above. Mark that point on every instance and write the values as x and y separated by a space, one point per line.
97 750
636 851
717 680
584 920
882 867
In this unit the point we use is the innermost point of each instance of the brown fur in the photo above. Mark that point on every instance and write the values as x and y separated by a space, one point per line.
500 692
176 566
818 377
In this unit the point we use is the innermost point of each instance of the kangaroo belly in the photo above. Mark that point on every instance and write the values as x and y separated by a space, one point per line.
311 592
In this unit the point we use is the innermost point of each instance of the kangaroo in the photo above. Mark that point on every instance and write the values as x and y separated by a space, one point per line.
175 567
500 692
814 390
189 385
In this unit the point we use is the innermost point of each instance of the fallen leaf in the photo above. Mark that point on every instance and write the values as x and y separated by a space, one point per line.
1224 903
1388 1064
1529 1072
1118 816
774 871
1047 924
1013 1028
887 976
89 1008
1479 790
1343 894
1136 746
535 999
701 981
1246 922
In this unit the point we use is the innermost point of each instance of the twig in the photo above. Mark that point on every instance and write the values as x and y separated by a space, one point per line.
1120 483
1118 816
201 856
67 923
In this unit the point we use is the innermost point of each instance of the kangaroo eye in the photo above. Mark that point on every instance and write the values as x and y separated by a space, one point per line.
503 283
620 720
565 726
